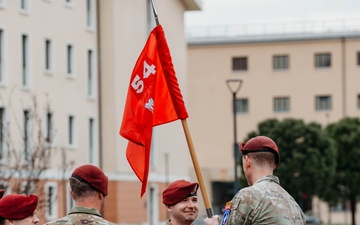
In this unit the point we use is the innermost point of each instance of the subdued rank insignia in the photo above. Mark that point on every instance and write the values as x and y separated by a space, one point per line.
61 221
227 210
85 221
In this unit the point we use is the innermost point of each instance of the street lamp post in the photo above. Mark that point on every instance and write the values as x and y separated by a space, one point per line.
234 85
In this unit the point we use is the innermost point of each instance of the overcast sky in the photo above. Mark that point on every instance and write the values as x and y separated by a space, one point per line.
232 12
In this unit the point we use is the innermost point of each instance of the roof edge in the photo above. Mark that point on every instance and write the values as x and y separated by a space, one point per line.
192 5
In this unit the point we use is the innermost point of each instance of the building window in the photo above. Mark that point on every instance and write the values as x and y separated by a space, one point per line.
69 60
90 73
358 101
242 105
90 14
2 57
91 140
322 60
51 191
2 134
49 127
24 6
69 3
26 134
2 3
323 102
358 58
25 60
239 64
281 62
48 55
281 104
71 130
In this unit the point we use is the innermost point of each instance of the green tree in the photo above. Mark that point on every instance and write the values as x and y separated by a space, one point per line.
346 134
307 157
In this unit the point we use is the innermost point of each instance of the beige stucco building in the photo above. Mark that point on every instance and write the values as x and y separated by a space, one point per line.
75 57
313 76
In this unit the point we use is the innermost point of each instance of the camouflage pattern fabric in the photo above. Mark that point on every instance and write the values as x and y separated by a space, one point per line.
265 202
81 216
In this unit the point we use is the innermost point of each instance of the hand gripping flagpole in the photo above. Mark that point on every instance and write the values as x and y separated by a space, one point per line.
199 176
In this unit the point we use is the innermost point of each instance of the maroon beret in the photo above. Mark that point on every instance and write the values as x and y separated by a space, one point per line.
1 193
93 176
179 190
261 144
17 207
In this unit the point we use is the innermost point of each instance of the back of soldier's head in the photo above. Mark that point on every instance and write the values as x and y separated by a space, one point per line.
81 189
263 159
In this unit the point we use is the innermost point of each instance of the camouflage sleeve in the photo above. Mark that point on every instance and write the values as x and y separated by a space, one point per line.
241 208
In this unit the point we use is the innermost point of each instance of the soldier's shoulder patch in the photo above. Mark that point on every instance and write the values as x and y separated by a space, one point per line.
227 210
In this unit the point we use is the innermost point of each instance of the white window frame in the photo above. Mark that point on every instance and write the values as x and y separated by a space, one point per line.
53 200
321 60
3 58
323 103
2 4
281 104
281 62
52 127
48 56
93 141
90 15
26 9
91 73
26 130
4 130
25 55
69 4
70 60
73 129
240 105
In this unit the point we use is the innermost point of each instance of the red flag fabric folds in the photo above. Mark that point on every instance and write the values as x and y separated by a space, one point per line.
153 98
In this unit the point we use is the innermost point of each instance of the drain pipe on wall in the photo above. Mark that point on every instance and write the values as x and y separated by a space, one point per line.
98 50
343 73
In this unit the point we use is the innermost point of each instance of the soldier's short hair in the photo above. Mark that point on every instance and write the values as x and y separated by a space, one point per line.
81 189
263 158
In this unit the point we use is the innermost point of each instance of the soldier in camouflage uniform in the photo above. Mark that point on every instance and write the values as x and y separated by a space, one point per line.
180 199
16 209
264 201
89 188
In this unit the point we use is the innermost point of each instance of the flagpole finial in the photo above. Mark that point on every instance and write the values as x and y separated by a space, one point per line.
155 14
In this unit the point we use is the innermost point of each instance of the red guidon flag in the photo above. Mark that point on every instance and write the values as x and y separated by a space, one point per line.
153 98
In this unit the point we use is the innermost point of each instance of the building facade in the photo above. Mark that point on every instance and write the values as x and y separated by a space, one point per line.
65 67
309 76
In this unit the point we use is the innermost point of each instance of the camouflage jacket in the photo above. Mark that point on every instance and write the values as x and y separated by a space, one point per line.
265 202
81 216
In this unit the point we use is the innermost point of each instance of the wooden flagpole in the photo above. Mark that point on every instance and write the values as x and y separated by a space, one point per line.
199 176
